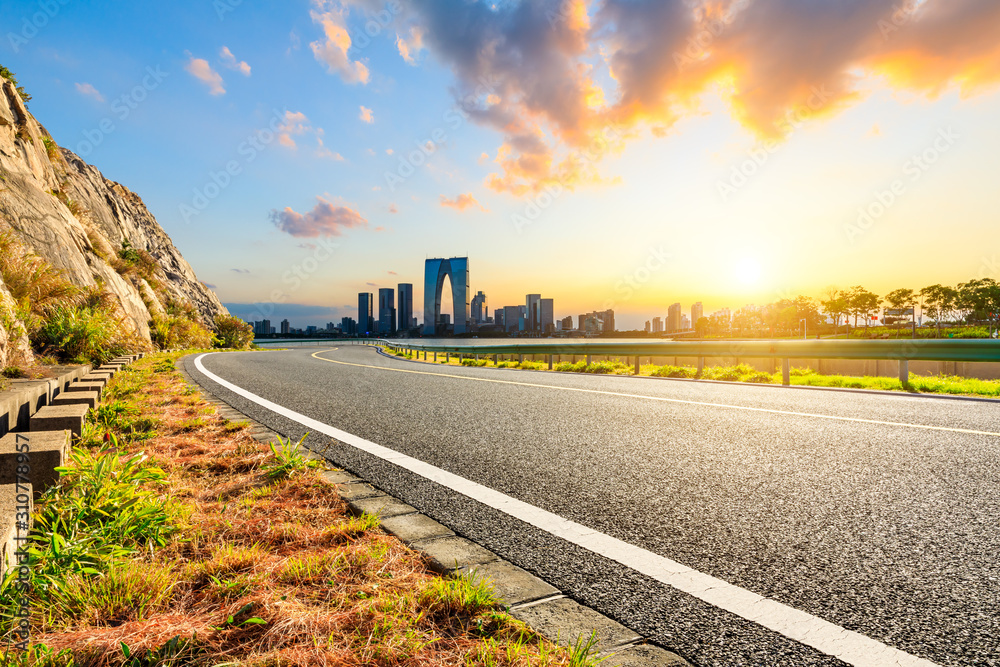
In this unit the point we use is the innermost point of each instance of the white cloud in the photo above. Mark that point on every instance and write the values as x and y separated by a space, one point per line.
367 115
333 51
229 60
201 70
88 90
411 46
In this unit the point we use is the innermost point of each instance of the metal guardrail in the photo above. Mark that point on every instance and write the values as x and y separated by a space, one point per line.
903 351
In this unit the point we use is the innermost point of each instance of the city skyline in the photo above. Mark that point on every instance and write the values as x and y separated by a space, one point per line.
286 165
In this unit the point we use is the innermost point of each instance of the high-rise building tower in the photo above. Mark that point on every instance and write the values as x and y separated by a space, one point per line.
546 316
387 311
366 323
531 316
405 307
657 325
480 308
697 312
285 326
674 318
435 272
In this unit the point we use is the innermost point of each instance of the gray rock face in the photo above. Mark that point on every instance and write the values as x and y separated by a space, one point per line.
15 349
65 211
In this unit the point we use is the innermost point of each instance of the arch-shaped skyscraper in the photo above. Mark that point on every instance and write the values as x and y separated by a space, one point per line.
435 271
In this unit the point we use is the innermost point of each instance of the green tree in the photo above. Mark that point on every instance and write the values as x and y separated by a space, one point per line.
938 301
702 326
7 74
862 303
982 299
902 298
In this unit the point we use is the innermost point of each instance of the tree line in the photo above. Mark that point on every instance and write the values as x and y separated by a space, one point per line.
976 302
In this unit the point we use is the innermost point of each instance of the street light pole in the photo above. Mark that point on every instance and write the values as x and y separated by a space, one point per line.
805 327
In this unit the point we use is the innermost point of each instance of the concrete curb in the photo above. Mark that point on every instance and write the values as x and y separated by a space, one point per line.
530 599
849 390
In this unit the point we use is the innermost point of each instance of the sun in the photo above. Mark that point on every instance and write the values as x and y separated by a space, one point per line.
747 272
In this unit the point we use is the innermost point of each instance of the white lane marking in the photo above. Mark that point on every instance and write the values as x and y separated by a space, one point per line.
847 645
662 399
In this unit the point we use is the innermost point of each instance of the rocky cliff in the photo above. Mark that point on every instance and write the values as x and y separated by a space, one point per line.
65 211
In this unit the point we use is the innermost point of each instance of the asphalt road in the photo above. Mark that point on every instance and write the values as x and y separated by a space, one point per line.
877 513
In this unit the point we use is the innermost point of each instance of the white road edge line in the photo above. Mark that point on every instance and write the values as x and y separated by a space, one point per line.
664 399
847 645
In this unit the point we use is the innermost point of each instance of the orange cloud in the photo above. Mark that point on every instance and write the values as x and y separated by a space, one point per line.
201 70
553 78
462 202
332 51
325 219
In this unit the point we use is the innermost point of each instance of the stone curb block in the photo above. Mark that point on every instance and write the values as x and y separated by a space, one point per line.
450 554
88 398
47 451
80 385
59 418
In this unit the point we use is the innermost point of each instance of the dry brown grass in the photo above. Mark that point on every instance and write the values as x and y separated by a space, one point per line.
280 573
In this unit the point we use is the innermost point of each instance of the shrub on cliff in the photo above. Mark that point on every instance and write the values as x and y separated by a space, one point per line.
233 332
7 74
63 320
180 332
82 334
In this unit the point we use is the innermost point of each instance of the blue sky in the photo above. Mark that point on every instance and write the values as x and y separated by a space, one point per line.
667 183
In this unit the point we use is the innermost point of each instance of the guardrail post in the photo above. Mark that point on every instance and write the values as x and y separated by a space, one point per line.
786 372
435 357
425 355
550 362
904 371
701 366
447 357
520 358
638 367
588 359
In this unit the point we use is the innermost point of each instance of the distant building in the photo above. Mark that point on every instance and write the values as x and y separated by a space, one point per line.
285 326
697 312
605 321
685 323
498 317
387 311
567 323
674 318
480 308
546 316
405 307
435 272
657 325
311 330
366 322
649 327
263 328
511 316
348 326
532 316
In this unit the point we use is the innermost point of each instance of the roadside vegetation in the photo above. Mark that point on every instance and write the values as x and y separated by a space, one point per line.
69 324
936 384
174 538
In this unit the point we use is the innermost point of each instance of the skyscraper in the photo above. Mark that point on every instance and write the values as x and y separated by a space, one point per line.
697 312
531 317
366 322
657 325
567 323
285 326
405 308
546 317
387 311
480 308
674 318
511 316
435 272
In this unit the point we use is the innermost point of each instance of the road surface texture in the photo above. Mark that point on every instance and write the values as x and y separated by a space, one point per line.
875 513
